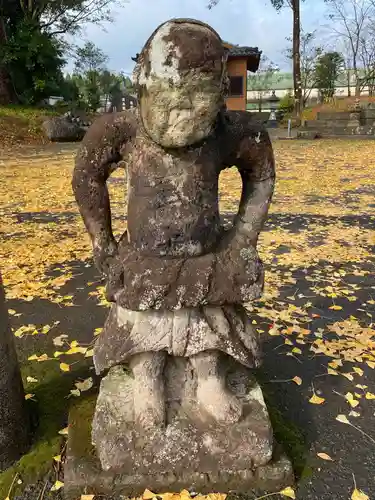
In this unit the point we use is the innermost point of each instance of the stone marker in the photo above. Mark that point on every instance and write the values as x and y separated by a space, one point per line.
62 129
14 436
178 405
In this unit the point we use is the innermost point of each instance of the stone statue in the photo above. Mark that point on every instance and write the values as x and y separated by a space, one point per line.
176 278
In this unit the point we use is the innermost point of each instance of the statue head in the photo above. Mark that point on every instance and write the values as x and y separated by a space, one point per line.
180 76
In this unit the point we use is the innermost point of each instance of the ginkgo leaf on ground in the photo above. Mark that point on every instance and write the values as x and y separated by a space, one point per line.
359 495
370 395
59 341
296 350
87 497
64 432
350 399
354 414
64 367
358 370
336 308
343 419
148 495
85 385
29 396
57 458
31 380
324 456
297 380
316 400
57 486
288 492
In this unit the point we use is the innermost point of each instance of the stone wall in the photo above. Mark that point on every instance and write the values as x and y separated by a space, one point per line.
343 123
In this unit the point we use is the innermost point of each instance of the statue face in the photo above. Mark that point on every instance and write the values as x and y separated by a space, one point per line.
180 81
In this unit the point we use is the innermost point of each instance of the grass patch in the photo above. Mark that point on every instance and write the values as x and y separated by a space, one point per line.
286 433
48 415
22 125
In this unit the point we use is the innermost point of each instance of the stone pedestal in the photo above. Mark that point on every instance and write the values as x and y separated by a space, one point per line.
192 451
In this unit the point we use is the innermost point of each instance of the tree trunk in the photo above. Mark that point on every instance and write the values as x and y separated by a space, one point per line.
357 82
348 79
14 435
7 93
297 58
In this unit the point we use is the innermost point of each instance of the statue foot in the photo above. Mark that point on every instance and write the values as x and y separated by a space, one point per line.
218 401
149 407
148 387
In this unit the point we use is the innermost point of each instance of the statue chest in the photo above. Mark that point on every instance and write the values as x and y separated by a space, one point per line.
173 196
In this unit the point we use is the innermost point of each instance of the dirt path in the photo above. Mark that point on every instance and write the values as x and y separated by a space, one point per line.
318 305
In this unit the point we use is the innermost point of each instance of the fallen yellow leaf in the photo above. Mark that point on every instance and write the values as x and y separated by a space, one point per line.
324 456
359 495
336 308
57 458
331 371
29 396
85 385
316 400
288 492
148 495
57 486
370 395
343 419
297 380
64 432
350 399
87 497
359 371
64 367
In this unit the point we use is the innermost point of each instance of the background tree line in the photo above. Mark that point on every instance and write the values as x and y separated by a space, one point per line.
33 52
351 31
33 49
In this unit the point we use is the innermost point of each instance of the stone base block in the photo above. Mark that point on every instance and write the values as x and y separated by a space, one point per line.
193 451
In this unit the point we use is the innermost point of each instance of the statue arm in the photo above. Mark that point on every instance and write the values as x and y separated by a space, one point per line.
256 165
99 154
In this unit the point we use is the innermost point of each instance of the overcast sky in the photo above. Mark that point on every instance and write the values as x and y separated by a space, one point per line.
244 22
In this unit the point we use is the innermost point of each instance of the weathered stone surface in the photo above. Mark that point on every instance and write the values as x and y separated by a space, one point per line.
60 129
13 418
184 332
191 451
308 134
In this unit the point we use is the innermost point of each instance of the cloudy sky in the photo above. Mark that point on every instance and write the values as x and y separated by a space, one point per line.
244 22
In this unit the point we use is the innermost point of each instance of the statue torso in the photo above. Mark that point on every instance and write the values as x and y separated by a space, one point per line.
173 197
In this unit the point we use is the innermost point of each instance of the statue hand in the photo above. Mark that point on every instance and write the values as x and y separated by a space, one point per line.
104 255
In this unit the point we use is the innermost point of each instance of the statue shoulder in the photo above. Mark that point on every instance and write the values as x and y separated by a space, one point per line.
111 129
242 124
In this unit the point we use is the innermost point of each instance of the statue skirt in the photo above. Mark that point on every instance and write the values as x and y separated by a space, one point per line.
183 332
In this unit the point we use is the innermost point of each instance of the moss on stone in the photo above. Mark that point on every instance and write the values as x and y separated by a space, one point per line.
48 411
287 434
80 419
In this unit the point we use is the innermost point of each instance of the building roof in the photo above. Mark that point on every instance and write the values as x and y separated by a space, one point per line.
252 54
